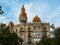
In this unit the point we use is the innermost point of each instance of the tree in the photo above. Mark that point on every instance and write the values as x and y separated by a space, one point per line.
1 11
46 41
21 41
57 36
51 41
6 37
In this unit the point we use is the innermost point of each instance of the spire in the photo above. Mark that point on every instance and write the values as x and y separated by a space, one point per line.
36 15
22 6
22 9
23 16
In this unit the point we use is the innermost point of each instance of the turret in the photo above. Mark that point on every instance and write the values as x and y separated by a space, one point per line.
23 16
10 25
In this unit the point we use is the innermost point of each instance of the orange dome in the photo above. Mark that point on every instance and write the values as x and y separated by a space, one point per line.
10 25
36 19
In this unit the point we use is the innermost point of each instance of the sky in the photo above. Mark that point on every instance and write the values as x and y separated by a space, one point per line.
47 10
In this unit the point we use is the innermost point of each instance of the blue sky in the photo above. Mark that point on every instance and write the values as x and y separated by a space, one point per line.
47 10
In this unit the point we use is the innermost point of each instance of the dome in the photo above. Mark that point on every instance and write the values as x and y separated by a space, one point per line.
36 19
10 25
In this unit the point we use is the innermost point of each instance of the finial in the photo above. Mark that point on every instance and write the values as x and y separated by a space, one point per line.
22 6
36 15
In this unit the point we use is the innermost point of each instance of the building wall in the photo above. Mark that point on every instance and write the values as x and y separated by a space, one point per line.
33 31
36 30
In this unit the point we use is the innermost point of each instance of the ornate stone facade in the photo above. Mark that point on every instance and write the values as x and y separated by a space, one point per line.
30 32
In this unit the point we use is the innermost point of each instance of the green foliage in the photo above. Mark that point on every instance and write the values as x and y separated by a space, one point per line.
51 41
6 37
46 41
57 36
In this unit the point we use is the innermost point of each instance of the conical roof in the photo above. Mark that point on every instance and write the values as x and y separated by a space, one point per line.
22 14
10 24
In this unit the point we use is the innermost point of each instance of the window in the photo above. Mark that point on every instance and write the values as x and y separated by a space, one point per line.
38 21
28 28
21 28
36 27
29 40
44 28
23 21
37 33
16 30
45 33
36 40
29 34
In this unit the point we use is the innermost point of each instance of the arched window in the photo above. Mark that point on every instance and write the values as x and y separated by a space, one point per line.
29 40
16 30
38 21
44 28
21 28
29 28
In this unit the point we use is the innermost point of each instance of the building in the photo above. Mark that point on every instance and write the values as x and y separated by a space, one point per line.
30 32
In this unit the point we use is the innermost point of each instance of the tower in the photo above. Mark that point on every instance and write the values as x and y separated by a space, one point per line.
23 16
11 25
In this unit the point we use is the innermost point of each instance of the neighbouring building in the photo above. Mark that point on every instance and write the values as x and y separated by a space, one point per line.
30 32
